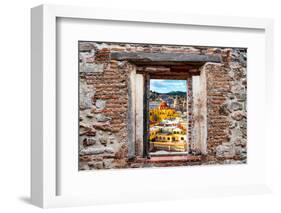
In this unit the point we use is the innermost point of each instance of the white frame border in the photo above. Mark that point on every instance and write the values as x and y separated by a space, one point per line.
43 89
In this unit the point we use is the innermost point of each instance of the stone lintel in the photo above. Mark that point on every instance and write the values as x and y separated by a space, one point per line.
164 57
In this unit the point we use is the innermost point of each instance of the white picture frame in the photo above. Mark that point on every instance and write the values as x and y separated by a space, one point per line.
44 154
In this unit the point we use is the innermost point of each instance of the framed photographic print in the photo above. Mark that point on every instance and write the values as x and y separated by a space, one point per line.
146 105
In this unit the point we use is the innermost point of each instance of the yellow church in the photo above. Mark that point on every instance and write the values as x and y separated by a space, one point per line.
161 113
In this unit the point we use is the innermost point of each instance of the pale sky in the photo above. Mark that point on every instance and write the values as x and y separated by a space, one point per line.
164 86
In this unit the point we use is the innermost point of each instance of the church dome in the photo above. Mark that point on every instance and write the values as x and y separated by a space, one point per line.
163 105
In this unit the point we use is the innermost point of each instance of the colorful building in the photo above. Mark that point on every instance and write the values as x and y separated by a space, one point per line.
167 129
170 142
163 112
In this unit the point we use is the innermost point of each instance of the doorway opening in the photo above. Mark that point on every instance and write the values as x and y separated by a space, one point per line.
168 117
171 123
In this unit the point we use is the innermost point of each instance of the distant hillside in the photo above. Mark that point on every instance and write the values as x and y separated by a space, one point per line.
178 93
172 93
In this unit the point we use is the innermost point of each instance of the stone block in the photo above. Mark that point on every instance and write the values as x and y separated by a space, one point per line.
240 142
108 163
89 141
225 150
100 104
109 150
91 67
243 124
103 140
241 97
92 151
96 165
102 118
86 94
234 106
238 115
86 46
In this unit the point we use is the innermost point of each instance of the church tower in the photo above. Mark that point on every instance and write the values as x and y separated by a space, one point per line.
176 102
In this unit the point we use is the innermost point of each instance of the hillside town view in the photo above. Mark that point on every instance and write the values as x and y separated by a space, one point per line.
168 116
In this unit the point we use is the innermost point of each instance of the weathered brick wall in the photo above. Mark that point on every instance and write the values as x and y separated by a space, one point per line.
218 123
103 110
104 104
227 124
